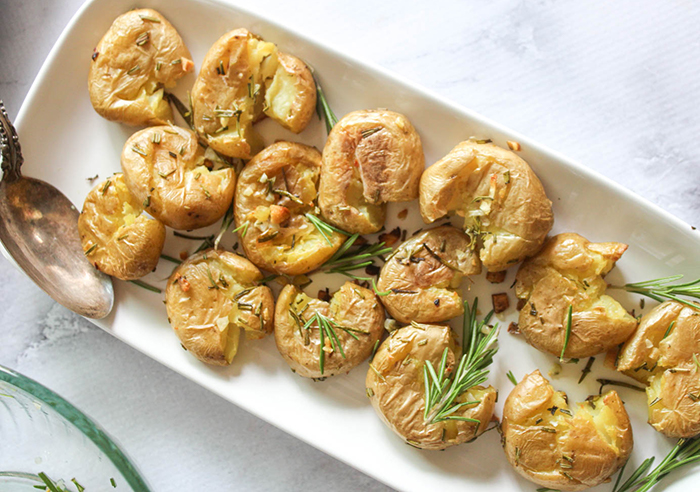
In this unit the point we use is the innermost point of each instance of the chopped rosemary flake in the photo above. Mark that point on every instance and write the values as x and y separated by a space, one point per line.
121 238
114 484
654 402
566 412
586 369
548 429
90 250
227 113
370 392
165 175
143 39
182 150
147 202
149 18
370 131
146 286
506 177
206 192
220 130
694 397
139 150
158 65
106 186
668 330
422 342
222 71
77 485
172 154
156 137
132 69
289 195
176 62
268 236
567 335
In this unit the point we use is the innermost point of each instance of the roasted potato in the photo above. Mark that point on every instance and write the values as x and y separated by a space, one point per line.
353 322
139 56
179 182
503 203
275 191
564 448
371 157
117 237
569 271
244 79
663 354
210 297
396 389
423 276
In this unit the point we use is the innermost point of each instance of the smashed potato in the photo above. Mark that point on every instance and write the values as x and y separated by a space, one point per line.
371 157
569 271
243 79
139 56
564 448
423 276
663 353
504 206
117 237
210 297
275 191
180 183
396 389
354 322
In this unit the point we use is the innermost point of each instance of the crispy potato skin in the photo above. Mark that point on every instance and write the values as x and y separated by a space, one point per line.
395 386
136 98
352 306
567 271
295 169
665 363
173 180
424 275
589 446
127 244
371 157
208 320
281 87
515 219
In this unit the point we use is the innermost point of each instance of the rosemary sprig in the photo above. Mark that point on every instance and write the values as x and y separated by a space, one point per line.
50 485
567 336
686 451
347 259
324 228
442 390
146 286
664 288
327 328
323 109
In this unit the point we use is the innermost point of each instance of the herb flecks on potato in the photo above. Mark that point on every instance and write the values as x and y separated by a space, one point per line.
562 447
323 338
424 274
371 157
504 205
117 237
396 388
568 272
210 297
276 193
663 353
180 183
244 79
139 56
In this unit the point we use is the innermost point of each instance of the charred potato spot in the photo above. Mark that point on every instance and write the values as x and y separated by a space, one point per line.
275 191
569 271
564 448
424 275
243 79
117 237
396 389
662 354
370 158
180 183
139 56
210 297
357 321
503 203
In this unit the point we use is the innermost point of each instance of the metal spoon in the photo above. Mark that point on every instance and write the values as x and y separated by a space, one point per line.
39 228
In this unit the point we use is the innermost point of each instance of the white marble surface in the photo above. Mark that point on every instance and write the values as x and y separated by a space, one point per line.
614 85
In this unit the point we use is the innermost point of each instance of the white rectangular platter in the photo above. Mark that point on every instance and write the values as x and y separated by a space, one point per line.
65 141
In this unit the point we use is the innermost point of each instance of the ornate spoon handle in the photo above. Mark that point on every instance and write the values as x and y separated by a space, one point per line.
10 149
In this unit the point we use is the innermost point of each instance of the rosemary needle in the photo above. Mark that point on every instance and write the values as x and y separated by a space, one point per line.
567 335
146 286
323 109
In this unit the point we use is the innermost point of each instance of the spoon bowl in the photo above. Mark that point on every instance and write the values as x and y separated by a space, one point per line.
39 229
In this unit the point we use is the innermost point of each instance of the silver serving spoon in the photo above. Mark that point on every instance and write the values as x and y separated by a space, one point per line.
39 228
